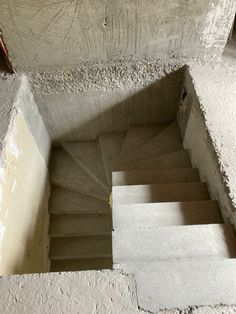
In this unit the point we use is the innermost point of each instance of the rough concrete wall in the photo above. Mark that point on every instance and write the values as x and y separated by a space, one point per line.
24 183
55 33
98 292
24 190
15 93
211 131
77 103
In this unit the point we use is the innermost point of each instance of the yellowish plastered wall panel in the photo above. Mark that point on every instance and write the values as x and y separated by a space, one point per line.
24 190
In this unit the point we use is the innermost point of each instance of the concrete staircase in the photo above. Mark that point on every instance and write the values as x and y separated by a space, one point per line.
166 230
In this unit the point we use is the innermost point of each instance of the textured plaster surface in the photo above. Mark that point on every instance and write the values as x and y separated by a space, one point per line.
79 292
211 130
85 292
78 103
8 89
56 33
15 94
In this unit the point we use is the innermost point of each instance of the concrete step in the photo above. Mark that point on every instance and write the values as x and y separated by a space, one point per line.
167 141
175 175
173 243
87 246
137 136
63 201
66 173
178 159
165 214
62 225
179 284
88 155
152 193
111 144
81 264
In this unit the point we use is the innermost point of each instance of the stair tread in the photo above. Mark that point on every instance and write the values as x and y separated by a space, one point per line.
81 247
173 243
137 136
167 141
65 172
152 193
165 214
179 284
111 144
65 201
88 155
81 264
72 224
177 159
155 176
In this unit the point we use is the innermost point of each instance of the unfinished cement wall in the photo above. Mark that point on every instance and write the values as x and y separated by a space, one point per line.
24 185
207 120
61 33
78 103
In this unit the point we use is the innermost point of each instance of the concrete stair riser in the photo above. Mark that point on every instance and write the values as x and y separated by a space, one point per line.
88 246
174 175
65 172
88 155
175 192
173 243
74 223
165 214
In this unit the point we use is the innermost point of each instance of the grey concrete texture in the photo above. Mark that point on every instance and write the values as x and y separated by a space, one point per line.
167 141
79 292
86 246
173 175
180 284
67 173
82 31
165 192
88 292
63 201
81 264
88 155
75 224
15 94
211 113
8 90
178 159
108 96
165 214
137 136
154 244
111 144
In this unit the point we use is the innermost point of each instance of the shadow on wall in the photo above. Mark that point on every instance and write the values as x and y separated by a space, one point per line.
82 116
